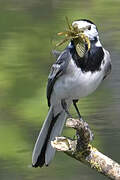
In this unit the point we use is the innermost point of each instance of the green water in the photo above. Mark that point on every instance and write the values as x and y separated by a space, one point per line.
26 30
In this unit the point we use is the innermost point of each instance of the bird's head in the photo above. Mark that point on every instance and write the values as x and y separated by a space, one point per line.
81 32
91 32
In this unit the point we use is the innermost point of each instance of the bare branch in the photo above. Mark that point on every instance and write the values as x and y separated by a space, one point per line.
82 151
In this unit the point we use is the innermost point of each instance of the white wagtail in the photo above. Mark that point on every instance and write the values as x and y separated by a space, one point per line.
71 78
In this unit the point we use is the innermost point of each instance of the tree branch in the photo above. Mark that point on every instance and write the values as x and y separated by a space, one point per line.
81 150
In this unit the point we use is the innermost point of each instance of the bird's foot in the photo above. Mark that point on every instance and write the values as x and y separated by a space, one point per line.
84 135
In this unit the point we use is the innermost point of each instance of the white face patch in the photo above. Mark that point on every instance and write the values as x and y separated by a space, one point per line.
92 33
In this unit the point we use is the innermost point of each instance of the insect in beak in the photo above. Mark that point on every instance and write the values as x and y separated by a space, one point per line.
77 35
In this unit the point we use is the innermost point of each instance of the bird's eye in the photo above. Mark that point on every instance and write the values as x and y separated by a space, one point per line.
89 28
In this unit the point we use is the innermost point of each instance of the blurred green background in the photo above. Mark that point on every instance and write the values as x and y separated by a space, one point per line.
26 30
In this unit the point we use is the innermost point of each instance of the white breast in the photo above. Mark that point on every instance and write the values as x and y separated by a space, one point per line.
75 84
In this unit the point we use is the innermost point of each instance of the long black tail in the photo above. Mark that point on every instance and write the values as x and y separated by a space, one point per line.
43 152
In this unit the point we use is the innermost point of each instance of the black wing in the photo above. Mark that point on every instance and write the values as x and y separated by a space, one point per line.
57 70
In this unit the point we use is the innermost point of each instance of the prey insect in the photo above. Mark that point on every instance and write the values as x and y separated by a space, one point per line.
77 35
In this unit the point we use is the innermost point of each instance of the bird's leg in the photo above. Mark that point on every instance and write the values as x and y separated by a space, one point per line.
79 115
64 106
76 108
85 124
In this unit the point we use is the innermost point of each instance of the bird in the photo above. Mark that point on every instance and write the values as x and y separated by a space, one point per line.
71 77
